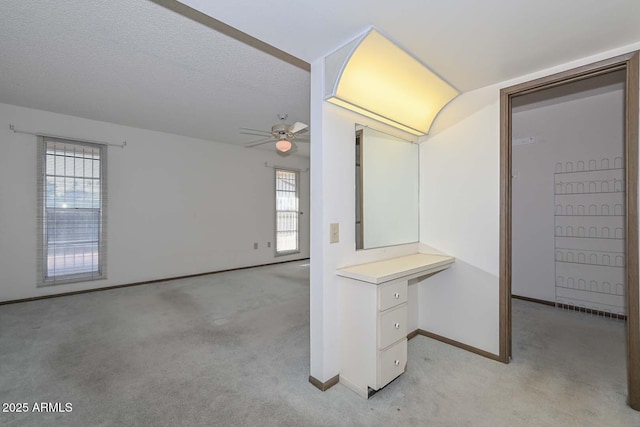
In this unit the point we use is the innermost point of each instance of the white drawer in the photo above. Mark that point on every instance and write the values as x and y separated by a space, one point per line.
392 295
392 326
391 363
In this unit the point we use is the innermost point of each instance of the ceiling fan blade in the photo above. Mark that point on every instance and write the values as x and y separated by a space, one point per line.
259 142
257 130
264 135
298 127
302 138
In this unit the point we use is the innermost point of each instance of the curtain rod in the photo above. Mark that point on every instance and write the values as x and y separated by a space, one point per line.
267 165
124 143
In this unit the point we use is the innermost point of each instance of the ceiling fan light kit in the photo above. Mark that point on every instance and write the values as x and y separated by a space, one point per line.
374 77
283 145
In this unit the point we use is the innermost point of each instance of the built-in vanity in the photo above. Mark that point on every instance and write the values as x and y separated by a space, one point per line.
374 318
374 296
376 302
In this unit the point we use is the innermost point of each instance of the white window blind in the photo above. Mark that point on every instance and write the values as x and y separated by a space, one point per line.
287 213
72 202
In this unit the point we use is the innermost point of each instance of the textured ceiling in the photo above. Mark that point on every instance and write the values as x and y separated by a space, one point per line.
471 43
135 63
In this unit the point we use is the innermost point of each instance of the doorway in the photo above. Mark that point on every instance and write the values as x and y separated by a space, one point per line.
628 65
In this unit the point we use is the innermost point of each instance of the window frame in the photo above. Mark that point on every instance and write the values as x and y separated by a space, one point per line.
275 193
43 279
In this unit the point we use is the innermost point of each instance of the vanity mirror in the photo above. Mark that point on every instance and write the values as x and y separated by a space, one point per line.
386 189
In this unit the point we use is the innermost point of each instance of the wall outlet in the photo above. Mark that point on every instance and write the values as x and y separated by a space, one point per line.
255 245
334 232
268 244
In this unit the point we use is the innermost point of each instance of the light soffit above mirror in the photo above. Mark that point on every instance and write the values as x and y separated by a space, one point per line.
374 77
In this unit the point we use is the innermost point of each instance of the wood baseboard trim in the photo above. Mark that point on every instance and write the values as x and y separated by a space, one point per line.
413 334
148 282
459 345
573 308
536 300
324 386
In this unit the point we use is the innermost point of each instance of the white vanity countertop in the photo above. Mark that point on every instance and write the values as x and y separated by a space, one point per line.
405 267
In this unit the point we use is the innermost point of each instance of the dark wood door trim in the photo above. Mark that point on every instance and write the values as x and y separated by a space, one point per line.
630 63
359 195
633 293
505 227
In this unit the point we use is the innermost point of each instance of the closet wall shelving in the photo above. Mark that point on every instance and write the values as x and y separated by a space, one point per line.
589 235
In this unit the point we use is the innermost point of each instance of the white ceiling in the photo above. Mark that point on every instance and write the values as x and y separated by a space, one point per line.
133 62
471 43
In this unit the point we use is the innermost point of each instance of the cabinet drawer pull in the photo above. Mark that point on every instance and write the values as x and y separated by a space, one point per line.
397 325
397 295
396 362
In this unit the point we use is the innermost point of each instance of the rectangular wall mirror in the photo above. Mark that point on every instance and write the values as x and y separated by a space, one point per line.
386 189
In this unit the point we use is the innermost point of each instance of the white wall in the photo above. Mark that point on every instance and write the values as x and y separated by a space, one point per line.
459 215
177 205
567 130
333 201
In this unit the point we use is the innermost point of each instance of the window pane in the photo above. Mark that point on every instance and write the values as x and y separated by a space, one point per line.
286 211
70 226
64 260
51 164
68 166
59 165
287 241
286 201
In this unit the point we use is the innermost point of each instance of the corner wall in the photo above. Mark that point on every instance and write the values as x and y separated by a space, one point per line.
459 215
177 206
333 201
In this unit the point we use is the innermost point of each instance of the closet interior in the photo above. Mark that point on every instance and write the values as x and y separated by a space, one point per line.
568 214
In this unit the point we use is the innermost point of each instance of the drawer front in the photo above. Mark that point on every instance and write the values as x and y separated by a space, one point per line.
391 363
392 295
392 326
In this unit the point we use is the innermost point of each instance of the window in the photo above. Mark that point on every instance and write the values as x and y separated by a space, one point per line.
72 190
287 212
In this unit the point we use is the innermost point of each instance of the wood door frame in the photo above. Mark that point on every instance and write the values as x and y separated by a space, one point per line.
359 195
630 63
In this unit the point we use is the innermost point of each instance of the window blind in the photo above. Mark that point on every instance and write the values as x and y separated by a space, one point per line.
72 200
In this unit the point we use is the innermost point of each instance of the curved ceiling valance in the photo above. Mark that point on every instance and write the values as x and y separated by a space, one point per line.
374 77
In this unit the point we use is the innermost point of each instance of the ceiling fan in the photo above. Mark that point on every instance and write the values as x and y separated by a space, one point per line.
282 134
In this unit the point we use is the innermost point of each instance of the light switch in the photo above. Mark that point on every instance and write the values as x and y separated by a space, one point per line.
334 232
